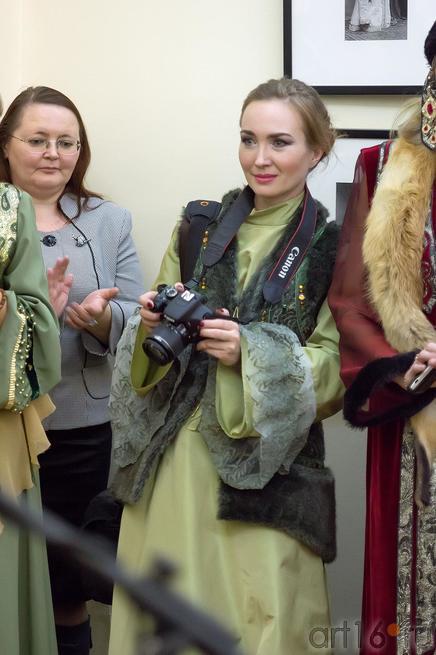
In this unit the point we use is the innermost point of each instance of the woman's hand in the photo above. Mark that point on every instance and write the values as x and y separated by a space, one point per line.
151 319
93 314
221 339
426 357
59 284
91 310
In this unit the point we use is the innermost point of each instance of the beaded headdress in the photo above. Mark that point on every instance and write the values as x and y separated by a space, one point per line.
428 105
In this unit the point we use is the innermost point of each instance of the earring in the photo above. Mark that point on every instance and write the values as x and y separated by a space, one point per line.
428 112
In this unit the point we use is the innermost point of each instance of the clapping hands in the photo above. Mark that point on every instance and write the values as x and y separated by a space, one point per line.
59 284
92 312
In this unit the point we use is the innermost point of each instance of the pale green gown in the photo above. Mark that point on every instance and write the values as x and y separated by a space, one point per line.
267 587
26 615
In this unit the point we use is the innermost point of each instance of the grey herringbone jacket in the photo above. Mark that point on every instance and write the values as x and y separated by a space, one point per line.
103 256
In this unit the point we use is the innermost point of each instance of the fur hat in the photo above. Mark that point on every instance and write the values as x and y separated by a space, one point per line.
430 45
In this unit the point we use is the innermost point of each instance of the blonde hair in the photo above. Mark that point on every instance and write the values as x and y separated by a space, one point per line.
408 122
317 125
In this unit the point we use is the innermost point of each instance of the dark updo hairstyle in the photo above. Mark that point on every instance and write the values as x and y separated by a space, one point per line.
430 45
307 102
46 96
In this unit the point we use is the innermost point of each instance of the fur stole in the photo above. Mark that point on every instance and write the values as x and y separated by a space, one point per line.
393 245
392 252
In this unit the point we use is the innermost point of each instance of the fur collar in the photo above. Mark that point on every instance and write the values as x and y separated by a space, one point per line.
393 244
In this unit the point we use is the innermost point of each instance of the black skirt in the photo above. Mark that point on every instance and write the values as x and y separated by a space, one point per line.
73 471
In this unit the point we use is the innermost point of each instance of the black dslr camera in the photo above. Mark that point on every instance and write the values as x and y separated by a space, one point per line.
181 312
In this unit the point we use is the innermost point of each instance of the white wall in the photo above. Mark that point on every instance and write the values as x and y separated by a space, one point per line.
11 12
159 85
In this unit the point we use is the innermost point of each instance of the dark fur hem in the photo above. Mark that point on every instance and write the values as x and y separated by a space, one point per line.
301 504
373 376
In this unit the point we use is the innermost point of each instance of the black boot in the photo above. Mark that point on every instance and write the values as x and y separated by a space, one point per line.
74 639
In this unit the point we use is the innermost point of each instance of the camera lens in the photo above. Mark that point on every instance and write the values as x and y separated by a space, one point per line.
158 350
165 343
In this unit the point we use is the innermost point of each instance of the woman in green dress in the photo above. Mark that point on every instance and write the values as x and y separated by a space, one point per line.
220 452
29 367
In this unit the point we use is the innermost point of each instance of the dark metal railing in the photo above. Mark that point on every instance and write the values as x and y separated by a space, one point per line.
178 624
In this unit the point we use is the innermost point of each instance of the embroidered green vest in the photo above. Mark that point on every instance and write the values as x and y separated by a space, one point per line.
301 503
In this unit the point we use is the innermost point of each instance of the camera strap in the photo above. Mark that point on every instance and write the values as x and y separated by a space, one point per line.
293 253
291 256
198 215
227 229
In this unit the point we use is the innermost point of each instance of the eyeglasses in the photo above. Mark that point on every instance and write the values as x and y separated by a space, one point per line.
64 146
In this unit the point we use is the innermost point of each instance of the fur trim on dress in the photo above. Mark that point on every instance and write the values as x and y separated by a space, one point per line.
392 253
375 375
393 245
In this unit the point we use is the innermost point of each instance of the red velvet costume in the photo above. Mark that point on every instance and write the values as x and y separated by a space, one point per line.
362 341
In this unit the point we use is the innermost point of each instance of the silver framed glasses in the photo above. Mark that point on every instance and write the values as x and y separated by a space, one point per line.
63 145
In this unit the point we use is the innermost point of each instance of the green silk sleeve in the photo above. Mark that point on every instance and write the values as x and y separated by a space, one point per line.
144 373
234 404
276 406
29 337
322 349
169 272
135 375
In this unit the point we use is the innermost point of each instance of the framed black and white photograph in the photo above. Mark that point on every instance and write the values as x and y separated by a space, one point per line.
346 47
331 182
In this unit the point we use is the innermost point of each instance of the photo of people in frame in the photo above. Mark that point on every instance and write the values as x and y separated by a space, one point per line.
372 20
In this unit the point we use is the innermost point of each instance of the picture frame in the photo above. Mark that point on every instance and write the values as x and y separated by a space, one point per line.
316 49
331 182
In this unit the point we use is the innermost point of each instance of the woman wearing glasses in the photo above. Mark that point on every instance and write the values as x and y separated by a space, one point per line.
94 278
